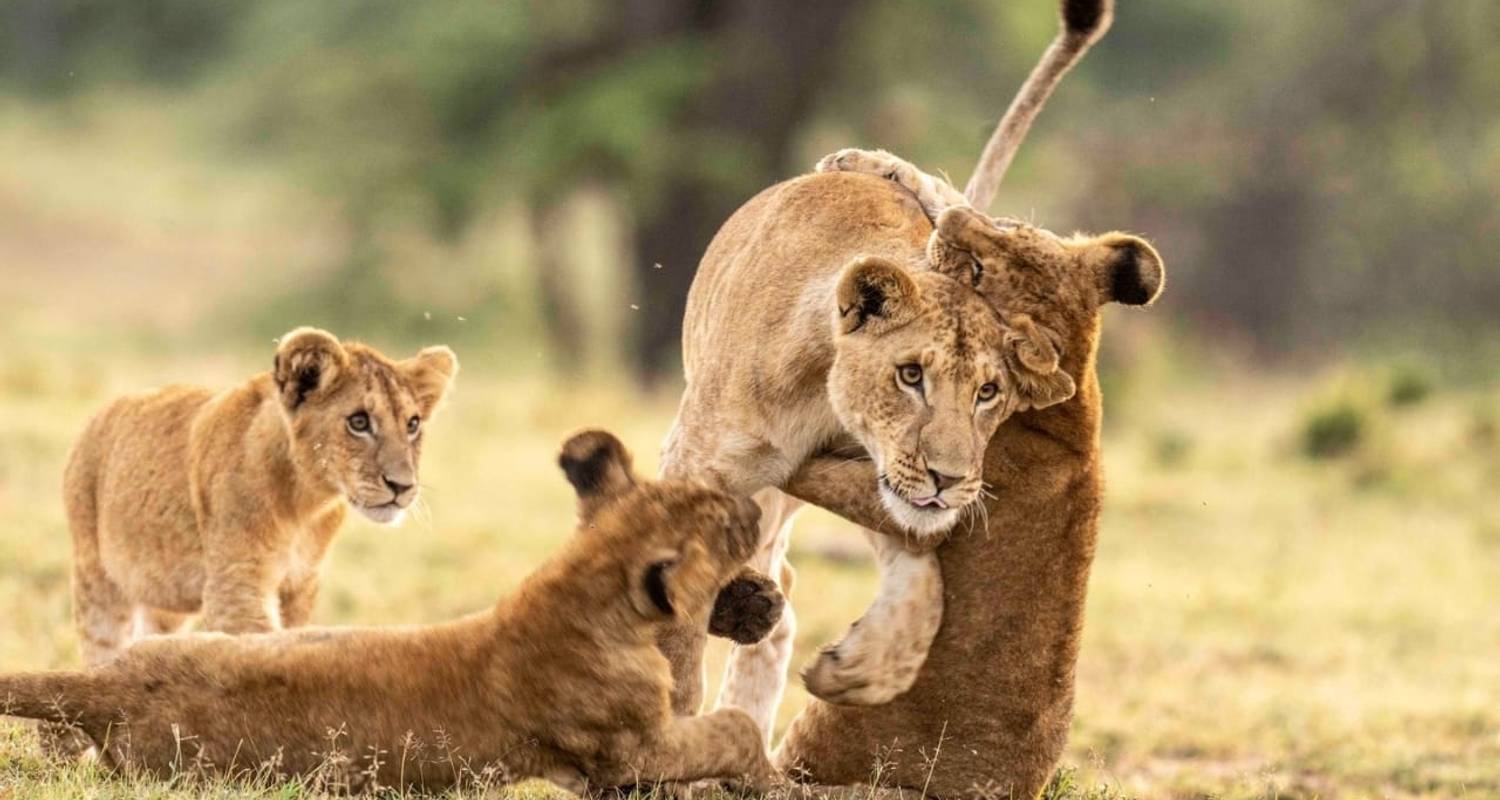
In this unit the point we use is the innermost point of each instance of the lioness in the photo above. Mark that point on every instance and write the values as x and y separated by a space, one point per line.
562 679
184 499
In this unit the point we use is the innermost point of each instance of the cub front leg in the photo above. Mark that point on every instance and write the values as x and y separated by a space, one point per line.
723 745
240 592
934 194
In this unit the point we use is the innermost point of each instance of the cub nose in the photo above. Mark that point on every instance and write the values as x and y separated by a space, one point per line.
396 487
942 481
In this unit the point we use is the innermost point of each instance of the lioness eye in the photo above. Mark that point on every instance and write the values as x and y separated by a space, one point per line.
987 392
359 422
412 425
910 374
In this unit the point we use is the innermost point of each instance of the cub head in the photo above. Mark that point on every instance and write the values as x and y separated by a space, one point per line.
671 544
1047 288
919 380
356 418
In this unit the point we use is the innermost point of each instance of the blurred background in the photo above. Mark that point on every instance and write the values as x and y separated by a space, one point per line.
1298 571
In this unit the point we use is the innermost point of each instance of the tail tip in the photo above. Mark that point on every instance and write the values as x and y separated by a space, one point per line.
1087 18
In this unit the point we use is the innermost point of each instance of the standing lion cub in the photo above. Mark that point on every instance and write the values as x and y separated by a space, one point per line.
186 500
561 680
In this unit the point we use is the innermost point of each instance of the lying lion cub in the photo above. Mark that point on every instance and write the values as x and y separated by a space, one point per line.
561 680
184 499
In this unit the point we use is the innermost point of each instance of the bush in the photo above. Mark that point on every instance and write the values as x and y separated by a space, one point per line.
1408 387
1334 430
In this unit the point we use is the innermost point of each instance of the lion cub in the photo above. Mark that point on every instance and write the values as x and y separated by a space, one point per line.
187 500
561 680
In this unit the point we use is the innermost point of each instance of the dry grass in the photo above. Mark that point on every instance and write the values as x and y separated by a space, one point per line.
1260 624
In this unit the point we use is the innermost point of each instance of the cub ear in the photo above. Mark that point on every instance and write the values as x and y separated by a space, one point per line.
307 362
656 588
1032 354
431 372
874 295
598 466
1126 268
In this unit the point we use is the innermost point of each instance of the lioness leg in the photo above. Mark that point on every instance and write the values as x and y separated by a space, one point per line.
755 676
878 659
725 744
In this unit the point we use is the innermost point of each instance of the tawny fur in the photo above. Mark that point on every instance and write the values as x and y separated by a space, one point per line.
989 711
186 500
561 680
840 301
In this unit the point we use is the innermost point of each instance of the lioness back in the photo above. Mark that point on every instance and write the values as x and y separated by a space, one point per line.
185 500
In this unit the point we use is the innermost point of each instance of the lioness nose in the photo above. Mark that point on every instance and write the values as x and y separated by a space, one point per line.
396 487
942 481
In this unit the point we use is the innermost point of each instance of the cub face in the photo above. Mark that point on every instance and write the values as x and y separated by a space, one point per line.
674 544
356 418
1046 288
918 379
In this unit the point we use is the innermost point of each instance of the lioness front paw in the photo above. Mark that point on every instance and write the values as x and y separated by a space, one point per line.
747 609
854 672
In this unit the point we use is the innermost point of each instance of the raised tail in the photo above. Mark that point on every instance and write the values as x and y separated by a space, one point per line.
1083 22
47 696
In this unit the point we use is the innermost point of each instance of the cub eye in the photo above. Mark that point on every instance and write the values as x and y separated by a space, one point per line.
988 391
910 374
358 422
976 271
413 425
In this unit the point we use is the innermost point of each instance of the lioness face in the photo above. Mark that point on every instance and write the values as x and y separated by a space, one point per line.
676 543
356 418
918 380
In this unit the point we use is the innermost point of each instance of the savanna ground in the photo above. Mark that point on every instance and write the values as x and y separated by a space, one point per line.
1298 572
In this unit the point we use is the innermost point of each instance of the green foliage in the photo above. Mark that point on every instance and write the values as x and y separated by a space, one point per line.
1334 429
1409 386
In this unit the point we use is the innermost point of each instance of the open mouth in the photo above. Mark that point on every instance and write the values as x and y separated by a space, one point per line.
928 516
926 504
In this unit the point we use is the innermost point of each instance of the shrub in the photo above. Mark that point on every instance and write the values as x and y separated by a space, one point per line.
1408 387
1334 430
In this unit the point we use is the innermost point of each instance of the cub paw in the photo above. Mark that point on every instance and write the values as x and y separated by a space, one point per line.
852 673
747 609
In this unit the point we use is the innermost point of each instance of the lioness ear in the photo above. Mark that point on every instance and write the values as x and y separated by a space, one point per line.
598 466
1127 268
874 295
307 362
1034 361
431 372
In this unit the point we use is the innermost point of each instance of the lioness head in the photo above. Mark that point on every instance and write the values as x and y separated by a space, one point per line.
1045 287
355 418
919 380
674 543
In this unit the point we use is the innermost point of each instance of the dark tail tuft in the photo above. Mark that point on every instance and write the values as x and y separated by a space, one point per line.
1086 18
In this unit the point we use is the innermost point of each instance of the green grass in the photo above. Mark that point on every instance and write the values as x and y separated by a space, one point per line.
1261 624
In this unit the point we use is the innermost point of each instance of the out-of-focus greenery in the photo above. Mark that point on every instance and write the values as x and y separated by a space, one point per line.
1314 173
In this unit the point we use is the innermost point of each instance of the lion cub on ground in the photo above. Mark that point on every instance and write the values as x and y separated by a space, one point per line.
184 499
562 679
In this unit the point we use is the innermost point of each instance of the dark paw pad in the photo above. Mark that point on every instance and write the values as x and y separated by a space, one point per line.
747 609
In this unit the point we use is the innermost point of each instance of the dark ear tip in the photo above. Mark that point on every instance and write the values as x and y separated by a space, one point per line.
1136 277
586 456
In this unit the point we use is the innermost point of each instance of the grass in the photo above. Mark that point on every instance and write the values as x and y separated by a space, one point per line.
1261 623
